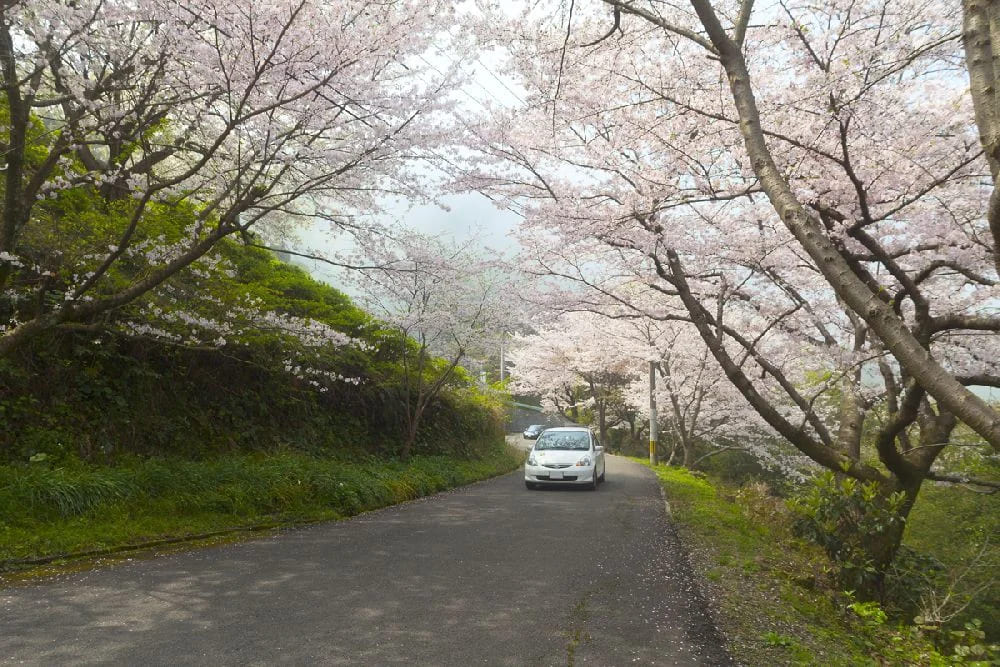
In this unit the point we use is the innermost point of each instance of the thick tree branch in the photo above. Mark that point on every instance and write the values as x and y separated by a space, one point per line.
956 478
815 450
628 8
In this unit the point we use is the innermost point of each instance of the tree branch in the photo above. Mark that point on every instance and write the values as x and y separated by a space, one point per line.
955 478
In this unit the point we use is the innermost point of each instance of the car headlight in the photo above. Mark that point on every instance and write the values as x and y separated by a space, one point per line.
531 460
585 461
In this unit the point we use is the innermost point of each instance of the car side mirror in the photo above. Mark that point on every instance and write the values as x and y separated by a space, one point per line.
598 448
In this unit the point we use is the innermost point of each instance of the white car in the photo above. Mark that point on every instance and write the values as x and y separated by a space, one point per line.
567 455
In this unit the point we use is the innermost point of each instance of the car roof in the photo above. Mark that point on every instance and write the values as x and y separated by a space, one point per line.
569 428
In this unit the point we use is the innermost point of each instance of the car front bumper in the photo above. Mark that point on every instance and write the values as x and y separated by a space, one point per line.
562 476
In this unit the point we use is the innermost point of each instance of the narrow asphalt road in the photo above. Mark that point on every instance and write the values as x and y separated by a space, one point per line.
489 574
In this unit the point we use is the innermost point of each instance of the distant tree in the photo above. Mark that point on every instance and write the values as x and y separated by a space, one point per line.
601 361
572 363
701 413
444 300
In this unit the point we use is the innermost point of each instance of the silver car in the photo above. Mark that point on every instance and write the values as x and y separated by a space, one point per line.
565 456
533 431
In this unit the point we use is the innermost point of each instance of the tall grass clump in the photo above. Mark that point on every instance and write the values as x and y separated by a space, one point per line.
50 510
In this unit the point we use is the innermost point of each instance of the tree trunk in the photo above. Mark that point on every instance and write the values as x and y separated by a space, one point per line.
883 547
851 420
673 451
602 422
689 453
409 441
17 129
909 472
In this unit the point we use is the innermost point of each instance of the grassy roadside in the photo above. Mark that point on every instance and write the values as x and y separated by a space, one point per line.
772 592
45 512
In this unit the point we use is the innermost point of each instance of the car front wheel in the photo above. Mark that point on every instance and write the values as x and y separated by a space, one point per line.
530 485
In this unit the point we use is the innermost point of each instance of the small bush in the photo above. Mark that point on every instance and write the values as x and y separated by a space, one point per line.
846 517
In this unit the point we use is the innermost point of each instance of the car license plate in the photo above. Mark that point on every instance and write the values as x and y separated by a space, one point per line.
555 474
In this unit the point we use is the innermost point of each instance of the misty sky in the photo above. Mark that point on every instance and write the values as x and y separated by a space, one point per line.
465 216
460 217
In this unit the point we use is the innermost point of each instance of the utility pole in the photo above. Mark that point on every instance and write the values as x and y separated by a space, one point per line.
501 361
652 413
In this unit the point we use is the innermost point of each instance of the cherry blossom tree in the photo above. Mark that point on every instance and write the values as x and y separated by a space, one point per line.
804 184
891 211
540 366
573 361
444 300
137 136
567 358
701 409
800 363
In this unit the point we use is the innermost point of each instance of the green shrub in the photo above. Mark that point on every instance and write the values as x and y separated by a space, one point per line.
72 395
846 517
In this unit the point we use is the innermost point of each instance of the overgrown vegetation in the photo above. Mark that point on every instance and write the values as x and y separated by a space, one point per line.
101 393
960 530
242 391
781 599
843 516
56 510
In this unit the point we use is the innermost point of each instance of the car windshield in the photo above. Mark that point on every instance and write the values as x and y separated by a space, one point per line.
563 440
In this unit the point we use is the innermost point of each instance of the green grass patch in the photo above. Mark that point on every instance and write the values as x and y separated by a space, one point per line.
961 529
49 511
773 592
